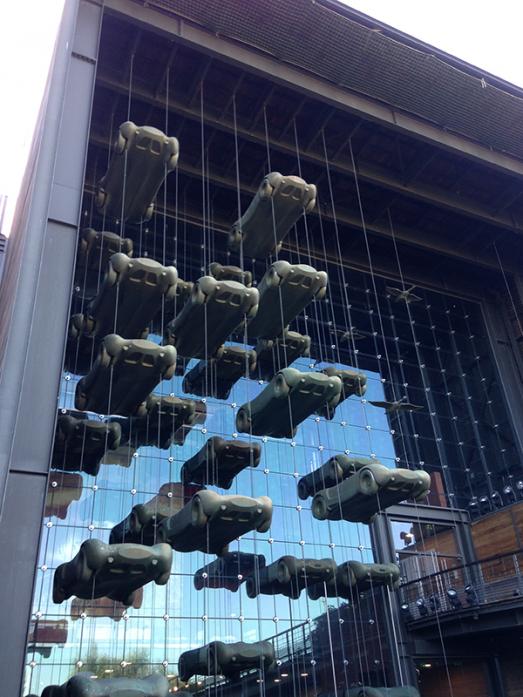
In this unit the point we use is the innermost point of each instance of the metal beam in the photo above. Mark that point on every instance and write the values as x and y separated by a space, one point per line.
355 257
304 81
162 81
428 514
428 195
402 234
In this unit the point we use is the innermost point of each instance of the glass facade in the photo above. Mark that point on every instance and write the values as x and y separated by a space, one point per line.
429 361
460 436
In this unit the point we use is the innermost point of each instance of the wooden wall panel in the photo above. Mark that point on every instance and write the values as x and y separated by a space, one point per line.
495 534
517 518
443 543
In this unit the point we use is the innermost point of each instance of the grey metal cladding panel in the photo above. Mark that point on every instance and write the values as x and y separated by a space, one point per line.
30 235
25 494
352 55
34 429
87 29
66 194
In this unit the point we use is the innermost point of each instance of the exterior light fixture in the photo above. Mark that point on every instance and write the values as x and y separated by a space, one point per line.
509 494
471 595
484 504
454 600
422 608
405 611
434 603
496 499
473 506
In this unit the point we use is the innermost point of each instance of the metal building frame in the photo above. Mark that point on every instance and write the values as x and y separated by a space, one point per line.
39 269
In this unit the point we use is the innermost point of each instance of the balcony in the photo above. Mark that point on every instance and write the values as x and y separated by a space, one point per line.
470 599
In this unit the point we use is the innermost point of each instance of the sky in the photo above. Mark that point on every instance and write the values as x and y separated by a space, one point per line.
486 34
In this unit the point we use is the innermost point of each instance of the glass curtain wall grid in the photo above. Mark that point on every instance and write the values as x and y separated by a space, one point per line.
433 402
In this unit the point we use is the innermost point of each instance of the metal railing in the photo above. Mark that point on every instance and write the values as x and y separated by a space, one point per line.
484 582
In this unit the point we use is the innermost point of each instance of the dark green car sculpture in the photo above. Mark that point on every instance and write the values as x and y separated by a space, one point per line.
230 273
277 205
210 521
219 658
163 421
217 376
275 354
289 398
95 248
141 525
123 375
285 290
83 685
130 296
112 571
80 444
354 577
289 576
228 571
219 461
352 383
372 489
331 473
143 156
212 312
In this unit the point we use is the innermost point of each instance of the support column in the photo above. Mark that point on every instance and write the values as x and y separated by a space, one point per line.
384 552
34 300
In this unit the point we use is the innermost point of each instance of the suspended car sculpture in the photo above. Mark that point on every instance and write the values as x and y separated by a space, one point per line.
123 375
83 685
353 577
331 473
289 576
285 290
165 421
217 376
213 311
275 354
371 489
210 521
143 156
219 461
230 660
228 571
230 273
141 525
95 248
352 383
114 571
131 294
277 205
80 444
289 398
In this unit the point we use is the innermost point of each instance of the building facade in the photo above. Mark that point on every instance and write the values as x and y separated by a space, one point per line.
417 223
